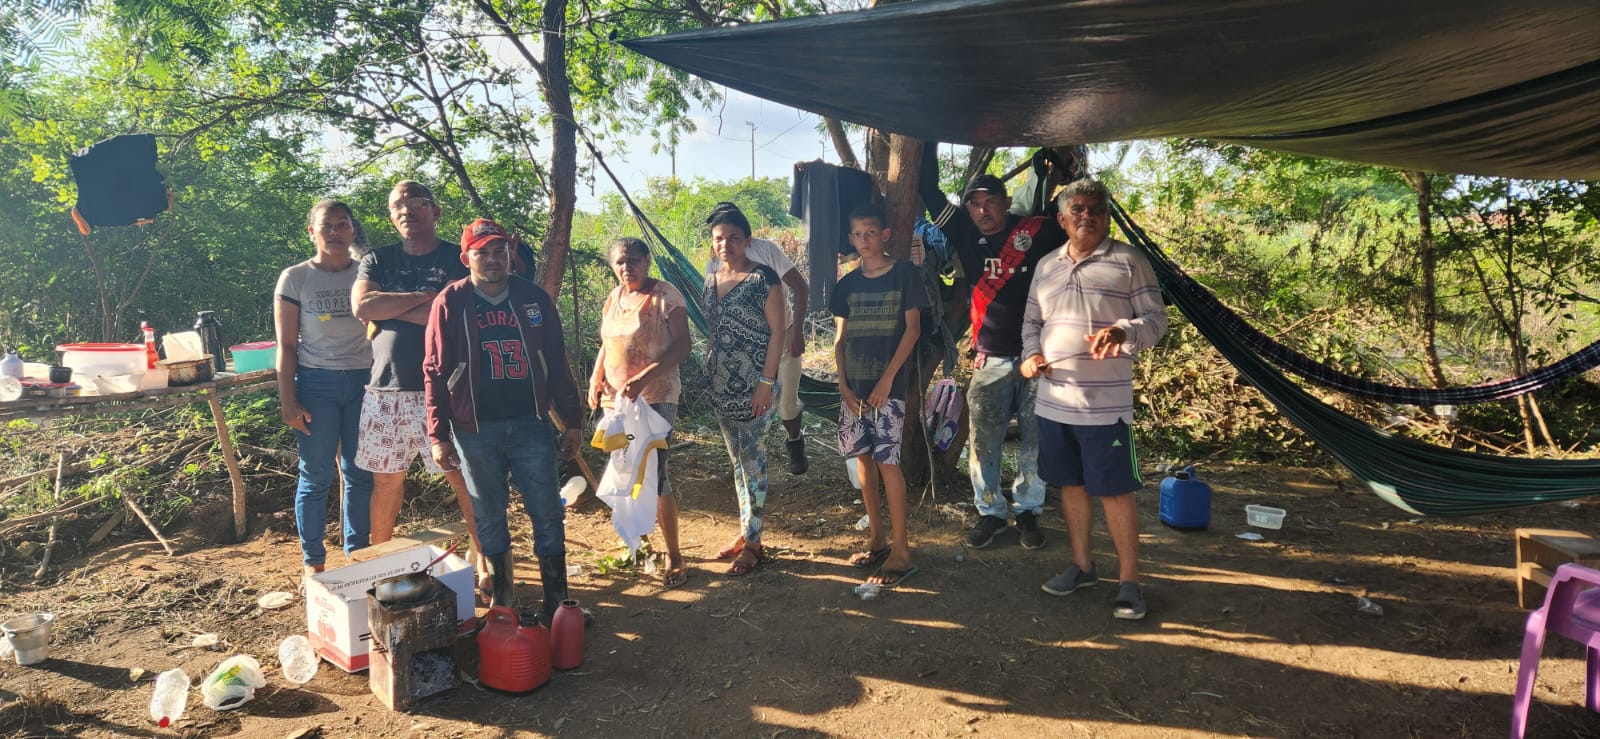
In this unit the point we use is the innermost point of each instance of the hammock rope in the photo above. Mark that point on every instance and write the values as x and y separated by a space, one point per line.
1307 368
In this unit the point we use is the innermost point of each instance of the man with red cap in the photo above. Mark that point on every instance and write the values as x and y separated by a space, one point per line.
494 370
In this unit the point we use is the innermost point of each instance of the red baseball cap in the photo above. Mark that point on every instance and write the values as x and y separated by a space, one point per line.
483 232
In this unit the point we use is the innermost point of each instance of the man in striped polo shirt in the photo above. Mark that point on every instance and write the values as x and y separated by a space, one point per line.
1093 304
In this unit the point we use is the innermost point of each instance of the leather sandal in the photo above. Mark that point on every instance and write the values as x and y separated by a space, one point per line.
747 561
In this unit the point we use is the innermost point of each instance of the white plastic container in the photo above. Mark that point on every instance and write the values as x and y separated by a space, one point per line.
89 361
30 637
298 659
1264 517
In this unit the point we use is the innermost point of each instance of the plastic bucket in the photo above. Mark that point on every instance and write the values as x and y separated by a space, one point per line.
256 355
30 637
89 361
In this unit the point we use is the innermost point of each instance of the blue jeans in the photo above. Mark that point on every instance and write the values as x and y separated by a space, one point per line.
747 449
522 450
997 394
333 398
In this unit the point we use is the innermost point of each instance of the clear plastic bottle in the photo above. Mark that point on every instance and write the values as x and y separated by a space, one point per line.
172 694
151 356
298 659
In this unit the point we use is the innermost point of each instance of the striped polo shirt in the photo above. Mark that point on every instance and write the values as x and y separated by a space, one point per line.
1113 286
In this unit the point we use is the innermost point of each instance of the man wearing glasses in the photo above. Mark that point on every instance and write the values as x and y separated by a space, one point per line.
1093 304
393 293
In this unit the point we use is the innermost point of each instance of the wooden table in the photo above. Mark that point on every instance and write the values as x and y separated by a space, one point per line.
1541 551
212 392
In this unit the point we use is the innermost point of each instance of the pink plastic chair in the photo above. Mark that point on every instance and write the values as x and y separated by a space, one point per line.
1572 609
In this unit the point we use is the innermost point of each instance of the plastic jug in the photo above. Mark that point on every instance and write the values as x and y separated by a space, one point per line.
1185 501
512 657
11 366
566 636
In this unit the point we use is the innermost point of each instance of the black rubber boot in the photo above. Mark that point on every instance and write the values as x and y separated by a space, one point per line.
553 579
504 584
797 455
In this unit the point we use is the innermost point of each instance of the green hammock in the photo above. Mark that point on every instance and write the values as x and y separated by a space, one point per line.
1412 475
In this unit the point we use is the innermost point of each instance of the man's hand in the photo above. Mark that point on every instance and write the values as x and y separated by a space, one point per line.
296 416
1106 342
569 443
1034 366
797 339
445 456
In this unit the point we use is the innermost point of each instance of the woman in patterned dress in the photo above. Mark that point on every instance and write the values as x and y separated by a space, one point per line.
744 306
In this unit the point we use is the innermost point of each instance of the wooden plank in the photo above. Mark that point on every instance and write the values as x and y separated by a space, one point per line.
414 539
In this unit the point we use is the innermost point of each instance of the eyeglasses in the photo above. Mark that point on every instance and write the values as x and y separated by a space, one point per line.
410 204
1093 210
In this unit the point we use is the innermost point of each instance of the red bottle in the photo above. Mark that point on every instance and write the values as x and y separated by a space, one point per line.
151 356
512 657
566 636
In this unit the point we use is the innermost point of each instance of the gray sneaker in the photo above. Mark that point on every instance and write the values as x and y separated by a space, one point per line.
982 533
1070 580
1028 530
1130 602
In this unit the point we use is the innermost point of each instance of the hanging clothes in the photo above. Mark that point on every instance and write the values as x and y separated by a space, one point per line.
823 196
118 184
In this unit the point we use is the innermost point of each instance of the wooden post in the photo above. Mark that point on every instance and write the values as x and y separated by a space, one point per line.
232 460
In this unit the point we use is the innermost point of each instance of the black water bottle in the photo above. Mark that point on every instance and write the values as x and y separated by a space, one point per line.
210 330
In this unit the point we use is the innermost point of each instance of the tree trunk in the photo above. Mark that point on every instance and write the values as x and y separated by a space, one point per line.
841 143
1422 182
563 146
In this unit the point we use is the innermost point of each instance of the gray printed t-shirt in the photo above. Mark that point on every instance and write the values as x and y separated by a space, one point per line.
331 337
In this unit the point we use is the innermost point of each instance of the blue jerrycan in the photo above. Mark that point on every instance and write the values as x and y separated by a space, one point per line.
1185 501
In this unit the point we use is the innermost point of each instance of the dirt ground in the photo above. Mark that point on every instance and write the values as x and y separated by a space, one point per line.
1243 638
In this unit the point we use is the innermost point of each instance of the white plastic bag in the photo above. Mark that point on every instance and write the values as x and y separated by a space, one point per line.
233 683
632 432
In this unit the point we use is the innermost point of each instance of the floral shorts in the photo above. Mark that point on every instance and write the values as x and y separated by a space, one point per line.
394 426
878 431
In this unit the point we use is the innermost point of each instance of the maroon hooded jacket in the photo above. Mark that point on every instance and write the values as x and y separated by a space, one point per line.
451 346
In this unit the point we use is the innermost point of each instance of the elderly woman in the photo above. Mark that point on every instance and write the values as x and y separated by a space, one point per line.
323 363
744 305
644 336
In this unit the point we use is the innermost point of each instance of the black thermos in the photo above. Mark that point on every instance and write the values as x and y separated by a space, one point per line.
210 330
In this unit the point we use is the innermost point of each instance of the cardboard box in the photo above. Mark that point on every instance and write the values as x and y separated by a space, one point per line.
336 601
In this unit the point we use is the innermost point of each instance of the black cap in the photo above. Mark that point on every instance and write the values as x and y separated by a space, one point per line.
985 183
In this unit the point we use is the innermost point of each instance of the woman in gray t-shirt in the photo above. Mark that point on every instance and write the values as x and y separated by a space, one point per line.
324 361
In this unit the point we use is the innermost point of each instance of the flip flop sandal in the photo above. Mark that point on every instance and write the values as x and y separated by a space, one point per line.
869 559
674 577
892 578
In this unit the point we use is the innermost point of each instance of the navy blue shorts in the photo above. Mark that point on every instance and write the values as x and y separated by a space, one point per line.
1100 458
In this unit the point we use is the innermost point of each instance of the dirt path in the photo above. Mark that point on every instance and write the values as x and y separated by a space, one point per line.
1243 638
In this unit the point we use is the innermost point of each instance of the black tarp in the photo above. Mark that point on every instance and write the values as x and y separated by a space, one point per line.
1461 86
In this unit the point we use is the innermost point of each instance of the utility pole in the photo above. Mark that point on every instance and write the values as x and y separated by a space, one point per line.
752 125
672 153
